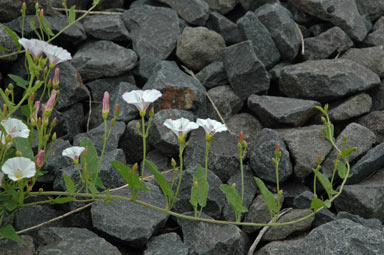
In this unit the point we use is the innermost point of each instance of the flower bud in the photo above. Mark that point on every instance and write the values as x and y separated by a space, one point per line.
53 137
53 122
5 110
241 137
23 8
173 163
31 98
117 109
19 154
56 80
105 110
135 167
152 112
39 122
41 14
234 185
319 159
196 184
10 86
7 92
40 159
51 102
277 151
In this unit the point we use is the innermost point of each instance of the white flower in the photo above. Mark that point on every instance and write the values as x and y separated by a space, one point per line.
34 46
73 152
211 127
18 168
141 98
15 128
56 54
181 126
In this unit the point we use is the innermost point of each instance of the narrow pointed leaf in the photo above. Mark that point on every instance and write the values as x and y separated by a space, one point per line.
267 195
233 198
164 185
7 231
12 34
92 158
70 186
325 183
19 81
72 15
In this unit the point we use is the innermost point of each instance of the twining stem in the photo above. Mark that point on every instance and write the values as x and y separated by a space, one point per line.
207 148
144 135
181 149
106 137
241 171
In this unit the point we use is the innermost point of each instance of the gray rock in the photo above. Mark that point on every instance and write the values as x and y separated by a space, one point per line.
70 122
282 232
369 223
159 159
334 40
146 65
357 136
322 217
106 27
372 161
276 111
11 9
103 59
159 245
305 145
159 21
222 6
108 4
377 95
275 72
354 106
161 137
80 4
180 91
263 151
379 24
364 199
199 46
291 190
326 79
96 136
56 160
375 38
246 73
195 12
374 9
132 143
213 75
371 58
374 121
224 26
7 42
109 176
129 222
303 200
278 20
251 5
252 29
24 247
320 28
343 14
205 238
334 238
222 158
246 123
73 241
226 102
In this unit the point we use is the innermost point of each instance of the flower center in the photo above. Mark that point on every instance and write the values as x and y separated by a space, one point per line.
18 173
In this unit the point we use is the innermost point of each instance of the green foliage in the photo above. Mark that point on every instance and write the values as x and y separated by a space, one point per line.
199 191
7 231
19 81
72 15
70 186
23 145
234 199
13 36
272 203
92 162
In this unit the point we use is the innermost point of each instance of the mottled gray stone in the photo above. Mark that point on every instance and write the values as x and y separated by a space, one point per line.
7 42
364 199
199 46
278 20
108 4
226 102
10 9
159 245
224 26
24 247
369 223
159 159
222 6
132 143
252 29
195 12
305 145
153 30
354 106
374 9
246 123
73 241
263 151
251 5
213 75
109 176
129 222
375 38
276 111
103 59
291 190
374 121
340 13
146 65
326 79
106 27
70 122
372 58
246 73
56 160
357 136
332 41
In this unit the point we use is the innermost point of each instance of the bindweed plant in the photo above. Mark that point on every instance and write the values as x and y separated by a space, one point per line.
20 167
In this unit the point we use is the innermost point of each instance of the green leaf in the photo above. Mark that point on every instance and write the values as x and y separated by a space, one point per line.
199 194
341 169
92 158
325 183
92 188
32 24
69 184
5 98
61 200
25 111
95 2
72 15
23 145
268 196
46 27
12 34
7 231
164 185
2 48
129 176
233 198
348 152
19 81
318 203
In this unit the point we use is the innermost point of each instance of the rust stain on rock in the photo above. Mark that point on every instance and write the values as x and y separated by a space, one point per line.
177 98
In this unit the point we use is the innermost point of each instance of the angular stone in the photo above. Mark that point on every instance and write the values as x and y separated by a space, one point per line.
161 137
106 27
332 41
374 9
278 20
180 91
109 4
159 159
103 59
364 199
56 160
146 66
213 75
226 102
7 42
69 123
263 151
371 162
160 245
374 121
129 222
354 106
291 190
343 14
369 223
326 79
222 6
10 9
195 12
372 58
153 21
357 136
222 157
375 38
246 73
305 145
224 26
246 123
132 143
252 29
76 241
24 247
276 111
109 176
251 5
199 46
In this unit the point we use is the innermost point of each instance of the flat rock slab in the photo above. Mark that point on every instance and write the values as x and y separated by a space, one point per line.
106 27
354 106
195 12
276 111
326 79
24 247
159 245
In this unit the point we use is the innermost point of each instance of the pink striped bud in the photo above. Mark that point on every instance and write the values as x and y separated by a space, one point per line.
56 80
105 110
40 159
51 101
37 106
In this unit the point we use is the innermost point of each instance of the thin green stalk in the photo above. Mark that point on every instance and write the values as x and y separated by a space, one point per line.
207 148
144 135
106 137
181 149
241 172
26 95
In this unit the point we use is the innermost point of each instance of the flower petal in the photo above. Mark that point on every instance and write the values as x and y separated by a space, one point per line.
18 168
